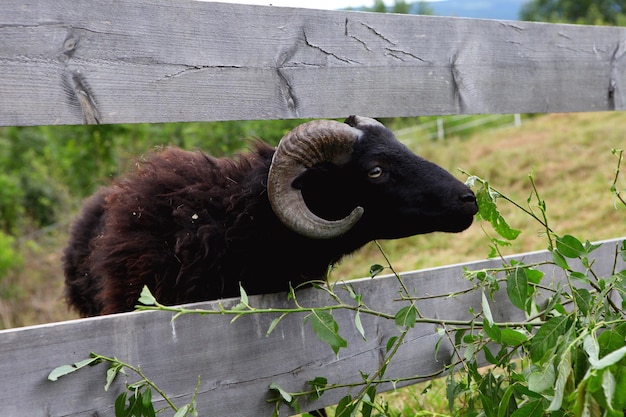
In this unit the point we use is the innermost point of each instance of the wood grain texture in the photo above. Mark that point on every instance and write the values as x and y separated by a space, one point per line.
236 362
115 61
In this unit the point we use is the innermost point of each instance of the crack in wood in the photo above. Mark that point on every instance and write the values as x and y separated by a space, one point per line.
309 44
393 53
287 92
512 26
577 50
75 84
564 35
347 33
363 43
195 68
378 34
284 86
457 81
615 97
81 96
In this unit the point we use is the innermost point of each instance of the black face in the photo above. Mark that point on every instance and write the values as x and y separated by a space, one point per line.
402 194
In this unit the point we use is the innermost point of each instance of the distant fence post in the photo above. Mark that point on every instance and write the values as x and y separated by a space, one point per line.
440 131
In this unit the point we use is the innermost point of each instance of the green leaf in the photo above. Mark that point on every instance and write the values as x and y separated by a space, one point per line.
489 356
292 292
547 336
554 301
451 391
60 371
608 386
182 411
583 300
619 399
592 348
530 409
492 331
318 384
406 316
356 297
243 301
284 395
376 269
608 360
489 211
146 298
63 370
391 342
243 295
609 341
368 401
146 403
517 287
510 337
542 378
274 323
570 247
345 407
112 372
486 310
488 394
469 352
507 403
579 276
534 275
359 325
559 259
620 282
564 369
120 404
327 330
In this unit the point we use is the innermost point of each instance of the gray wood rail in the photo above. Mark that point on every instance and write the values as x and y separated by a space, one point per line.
236 362
118 61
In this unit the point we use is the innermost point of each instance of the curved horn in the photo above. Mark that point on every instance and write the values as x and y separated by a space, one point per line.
300 149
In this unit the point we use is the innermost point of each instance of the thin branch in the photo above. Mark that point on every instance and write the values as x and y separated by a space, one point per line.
137 370
619 154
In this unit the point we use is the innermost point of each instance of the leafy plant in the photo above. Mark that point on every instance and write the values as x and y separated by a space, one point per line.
571 348
136 401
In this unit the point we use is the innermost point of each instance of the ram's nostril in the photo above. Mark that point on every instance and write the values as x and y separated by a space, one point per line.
468 197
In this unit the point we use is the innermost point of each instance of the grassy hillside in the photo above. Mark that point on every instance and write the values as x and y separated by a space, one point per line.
572 163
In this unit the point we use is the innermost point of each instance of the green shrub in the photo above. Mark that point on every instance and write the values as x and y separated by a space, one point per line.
10 259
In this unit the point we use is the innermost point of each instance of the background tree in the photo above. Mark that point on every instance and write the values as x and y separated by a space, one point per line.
401 7
590 12
422 8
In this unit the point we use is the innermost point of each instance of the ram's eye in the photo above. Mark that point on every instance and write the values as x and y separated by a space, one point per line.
375 172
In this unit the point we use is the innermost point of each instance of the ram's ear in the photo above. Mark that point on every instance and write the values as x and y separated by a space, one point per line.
360 121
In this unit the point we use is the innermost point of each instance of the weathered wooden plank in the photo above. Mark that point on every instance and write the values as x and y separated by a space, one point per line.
236 362
114 61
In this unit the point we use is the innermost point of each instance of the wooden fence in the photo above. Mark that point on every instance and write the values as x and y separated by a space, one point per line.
121 61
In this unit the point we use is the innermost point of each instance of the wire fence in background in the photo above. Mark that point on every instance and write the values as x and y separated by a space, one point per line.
460 125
